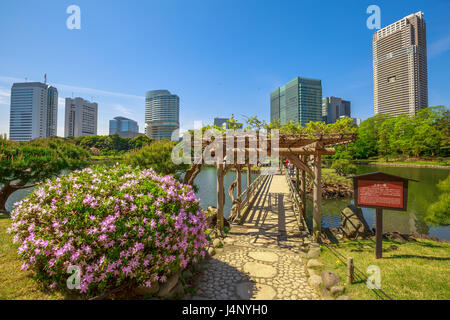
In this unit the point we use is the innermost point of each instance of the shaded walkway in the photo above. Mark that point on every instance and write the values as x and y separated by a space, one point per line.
261 258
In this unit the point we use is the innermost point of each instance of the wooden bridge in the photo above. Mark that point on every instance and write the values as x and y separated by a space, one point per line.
262 255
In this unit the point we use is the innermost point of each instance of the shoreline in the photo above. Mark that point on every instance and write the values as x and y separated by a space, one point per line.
430 166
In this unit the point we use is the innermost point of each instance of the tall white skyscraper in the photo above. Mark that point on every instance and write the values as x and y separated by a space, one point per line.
162 114
80 118
34 111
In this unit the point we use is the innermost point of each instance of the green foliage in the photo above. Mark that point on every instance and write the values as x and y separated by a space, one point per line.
39 159
113 144
343 167
426 134
119 225
439 212
158 156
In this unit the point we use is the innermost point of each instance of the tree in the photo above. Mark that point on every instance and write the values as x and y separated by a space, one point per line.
140 141
23 164
439 212
158 156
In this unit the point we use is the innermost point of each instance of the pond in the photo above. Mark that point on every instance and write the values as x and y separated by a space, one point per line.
420 195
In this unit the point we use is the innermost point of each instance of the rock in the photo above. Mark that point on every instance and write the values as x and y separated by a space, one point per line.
315 281
314 263
211 251
353 223
216 243
167 286
211 219
337 289
142 291
313 253
343 298
330 278
312 272
177 291
259 270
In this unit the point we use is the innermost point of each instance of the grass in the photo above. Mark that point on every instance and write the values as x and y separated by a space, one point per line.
14 283
413 270
413 161
330 176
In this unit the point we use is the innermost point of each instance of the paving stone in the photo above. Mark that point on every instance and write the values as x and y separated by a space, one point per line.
260 270
255 291
264 256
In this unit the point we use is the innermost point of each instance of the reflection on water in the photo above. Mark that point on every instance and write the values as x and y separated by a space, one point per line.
420 195
206 181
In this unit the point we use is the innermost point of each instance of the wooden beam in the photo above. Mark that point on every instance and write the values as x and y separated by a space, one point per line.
317 197
220 197
303 189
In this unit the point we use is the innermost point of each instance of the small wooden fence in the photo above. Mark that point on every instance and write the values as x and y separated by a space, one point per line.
298 205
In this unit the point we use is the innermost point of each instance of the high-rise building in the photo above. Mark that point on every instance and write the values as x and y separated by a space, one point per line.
162 114
333 108
124 127
34 111
80 118
220 122
400 67
299 100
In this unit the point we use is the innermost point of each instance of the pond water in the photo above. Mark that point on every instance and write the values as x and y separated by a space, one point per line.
421 194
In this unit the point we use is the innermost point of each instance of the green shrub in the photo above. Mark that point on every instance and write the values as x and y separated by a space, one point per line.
343 167
119 226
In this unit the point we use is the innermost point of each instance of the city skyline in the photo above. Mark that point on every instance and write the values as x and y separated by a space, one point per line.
205 88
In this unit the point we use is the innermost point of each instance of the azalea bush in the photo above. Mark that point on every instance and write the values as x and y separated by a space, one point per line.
120 226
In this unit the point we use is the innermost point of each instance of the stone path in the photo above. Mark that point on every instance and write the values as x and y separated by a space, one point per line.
261 259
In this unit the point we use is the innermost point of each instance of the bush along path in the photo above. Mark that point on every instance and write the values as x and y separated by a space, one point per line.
261 259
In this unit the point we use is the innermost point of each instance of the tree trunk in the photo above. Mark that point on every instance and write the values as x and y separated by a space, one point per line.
5 192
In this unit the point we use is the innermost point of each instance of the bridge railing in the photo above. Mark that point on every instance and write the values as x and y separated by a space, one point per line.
242 203
296 199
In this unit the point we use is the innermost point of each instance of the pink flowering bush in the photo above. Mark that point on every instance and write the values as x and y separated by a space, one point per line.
119 225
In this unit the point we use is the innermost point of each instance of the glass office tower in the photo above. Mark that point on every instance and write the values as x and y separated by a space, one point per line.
162 114
124 127
299 100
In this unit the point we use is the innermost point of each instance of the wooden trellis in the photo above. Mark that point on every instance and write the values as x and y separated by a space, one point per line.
294 147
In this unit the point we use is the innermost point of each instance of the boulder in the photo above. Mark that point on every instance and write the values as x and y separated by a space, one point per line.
315 281
337 289
167 286
142 291
330 278
314 263
211 251
312 272
211 219
353 223
313 253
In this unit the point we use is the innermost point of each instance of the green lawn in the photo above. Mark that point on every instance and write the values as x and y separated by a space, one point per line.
409 270
14 283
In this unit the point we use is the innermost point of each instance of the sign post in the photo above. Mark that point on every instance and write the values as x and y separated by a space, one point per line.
380 191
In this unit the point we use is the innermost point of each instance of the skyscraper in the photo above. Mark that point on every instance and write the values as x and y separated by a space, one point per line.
34 111
400 67
162 114
299 100
124 127
80 118
333 108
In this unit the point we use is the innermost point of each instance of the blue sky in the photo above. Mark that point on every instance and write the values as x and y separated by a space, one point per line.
220 57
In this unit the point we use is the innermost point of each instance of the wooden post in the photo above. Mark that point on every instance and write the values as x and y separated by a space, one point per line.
317 197
350 269
220 197
379 233
297 180
249 174
303 189
239 187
